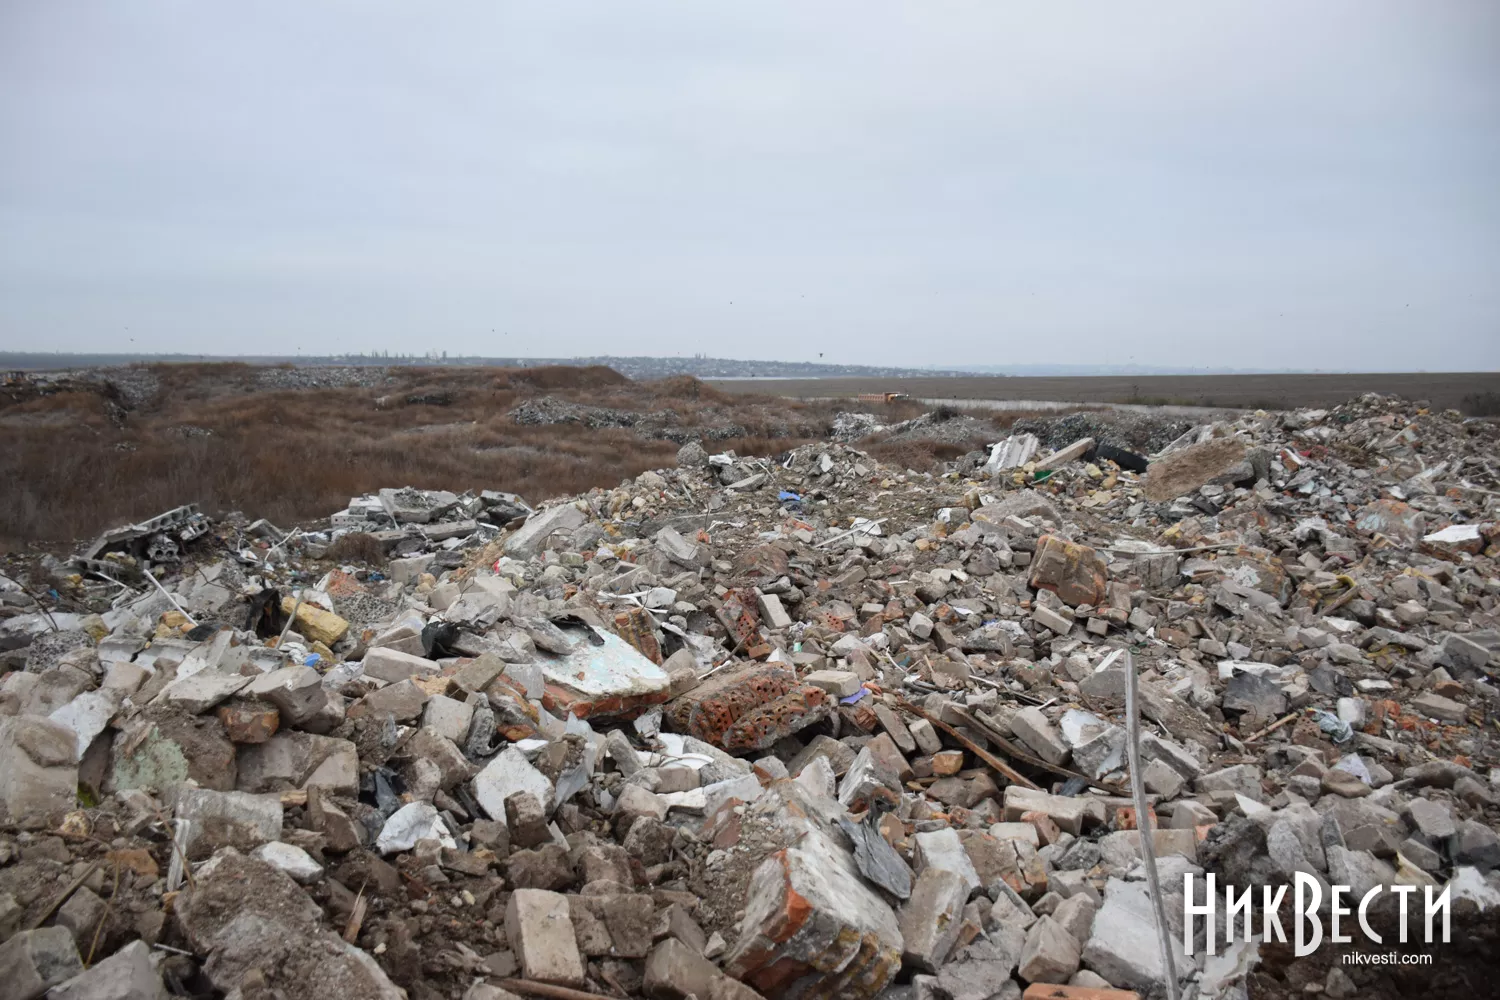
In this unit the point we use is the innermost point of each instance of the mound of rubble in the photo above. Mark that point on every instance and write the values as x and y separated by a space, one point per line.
809 728
1140 431
661 425
942 424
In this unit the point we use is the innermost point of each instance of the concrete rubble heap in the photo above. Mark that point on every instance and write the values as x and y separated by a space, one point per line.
799 727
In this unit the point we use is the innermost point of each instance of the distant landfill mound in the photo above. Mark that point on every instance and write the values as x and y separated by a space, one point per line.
754 727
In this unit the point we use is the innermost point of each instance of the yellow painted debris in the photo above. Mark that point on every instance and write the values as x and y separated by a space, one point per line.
315 623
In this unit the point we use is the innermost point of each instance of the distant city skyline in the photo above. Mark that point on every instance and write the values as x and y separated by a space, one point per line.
1252 186
653 366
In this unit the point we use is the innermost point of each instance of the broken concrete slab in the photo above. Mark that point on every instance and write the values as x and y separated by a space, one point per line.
126 975
507 774
39 781
809 914
392 665
930 918
299 760
247 915
945 849
602 676
202 691
540 932
1123 946
33 961
1051 954
529 539
208 820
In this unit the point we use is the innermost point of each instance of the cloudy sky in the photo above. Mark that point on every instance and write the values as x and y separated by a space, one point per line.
1238 184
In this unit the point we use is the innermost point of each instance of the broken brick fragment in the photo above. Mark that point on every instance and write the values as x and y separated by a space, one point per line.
748 707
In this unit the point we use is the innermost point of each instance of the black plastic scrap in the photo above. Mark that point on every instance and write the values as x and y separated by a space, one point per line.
266 618
1127 460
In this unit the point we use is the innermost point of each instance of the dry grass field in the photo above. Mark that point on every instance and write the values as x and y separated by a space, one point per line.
81 456
1476 393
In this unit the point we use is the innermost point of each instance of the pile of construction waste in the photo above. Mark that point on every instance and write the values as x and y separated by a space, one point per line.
796 727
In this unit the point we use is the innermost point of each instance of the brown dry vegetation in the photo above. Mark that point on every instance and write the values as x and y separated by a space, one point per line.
1475 393
74 463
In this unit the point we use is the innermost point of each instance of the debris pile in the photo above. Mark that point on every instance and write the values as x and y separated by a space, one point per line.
802 727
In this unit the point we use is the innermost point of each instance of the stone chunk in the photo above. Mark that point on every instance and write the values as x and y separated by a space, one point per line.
1037 732
402 702
540 932
1051 954
945 849
1123 947
247 722
526 819
208 820
1076 916
242 913
1433 820
1241 778
126 975
925 736
838 755
297 692
203 690
1066 812
977 969
1399 522
299 760
1466 654
809 915
315 623
81 914
39 780
675 972
930 918
545 867
891 722
291 859
1435 706
946 763
635 802
1360 870
1073 572
392 665
507 774
33 961
1254 694
680 550
448 717
1162 780
407 570
772 613
531 537
1476 845
839 683
1047 618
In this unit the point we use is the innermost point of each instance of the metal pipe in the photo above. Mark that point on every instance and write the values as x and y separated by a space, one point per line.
1143 824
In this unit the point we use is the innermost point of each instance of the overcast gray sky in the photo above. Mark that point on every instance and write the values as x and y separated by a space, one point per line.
1239 184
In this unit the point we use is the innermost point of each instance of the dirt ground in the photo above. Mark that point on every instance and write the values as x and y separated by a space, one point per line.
1467 967
1443 390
